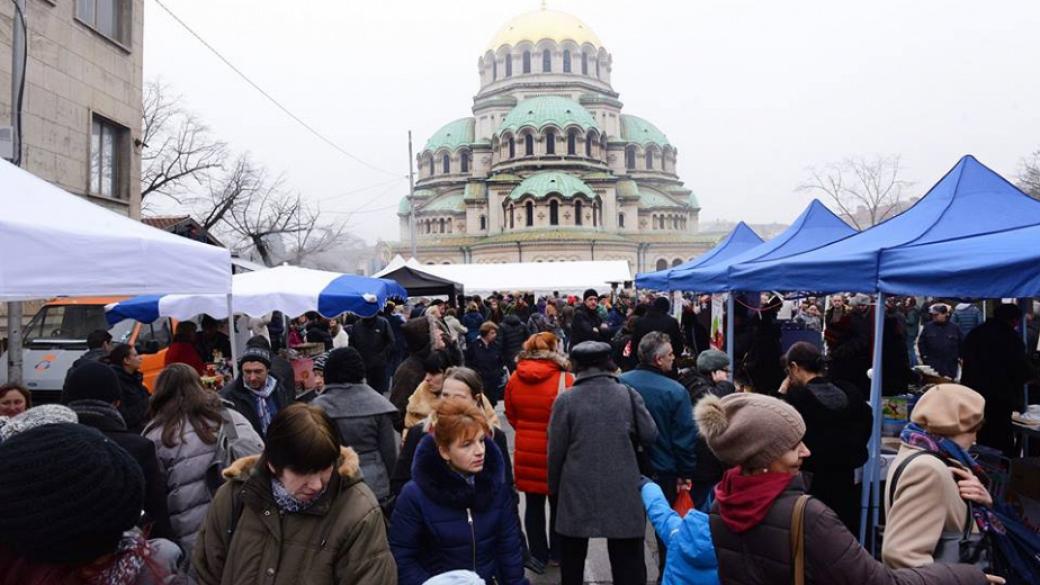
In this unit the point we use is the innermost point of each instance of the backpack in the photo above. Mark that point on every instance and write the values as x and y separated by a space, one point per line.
229 448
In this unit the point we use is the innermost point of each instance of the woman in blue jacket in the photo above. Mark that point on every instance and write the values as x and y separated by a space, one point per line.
691 554
457 512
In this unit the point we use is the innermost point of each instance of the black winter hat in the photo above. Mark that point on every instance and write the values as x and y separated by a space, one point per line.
344 366
589 293
67 494
91 381
255 354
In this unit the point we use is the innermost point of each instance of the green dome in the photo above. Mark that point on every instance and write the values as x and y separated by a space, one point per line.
637 130
693 201
544 110
452 135
650 198
541 185
450 202
404 207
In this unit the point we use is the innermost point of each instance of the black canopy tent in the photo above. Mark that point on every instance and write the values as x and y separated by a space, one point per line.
422 284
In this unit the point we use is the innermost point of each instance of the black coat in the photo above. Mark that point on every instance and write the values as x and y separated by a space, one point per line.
940 347
657 320
586 326
241 399
512 335
105 418
850 352
134 398
709 469
995 366
487 361
373 338
762 362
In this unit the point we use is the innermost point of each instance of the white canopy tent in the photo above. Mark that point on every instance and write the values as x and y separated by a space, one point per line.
534 277
55 243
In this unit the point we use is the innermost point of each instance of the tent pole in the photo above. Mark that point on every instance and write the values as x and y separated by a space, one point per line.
730 334
872 470
231 334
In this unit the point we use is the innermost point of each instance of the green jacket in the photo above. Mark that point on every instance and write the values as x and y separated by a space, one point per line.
340 540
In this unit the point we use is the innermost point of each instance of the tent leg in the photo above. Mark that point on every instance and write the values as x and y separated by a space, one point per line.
730 334
872 469
231 334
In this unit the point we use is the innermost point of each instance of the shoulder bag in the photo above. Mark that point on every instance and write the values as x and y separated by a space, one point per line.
798 539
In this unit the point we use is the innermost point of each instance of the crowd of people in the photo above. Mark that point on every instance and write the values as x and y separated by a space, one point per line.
395 466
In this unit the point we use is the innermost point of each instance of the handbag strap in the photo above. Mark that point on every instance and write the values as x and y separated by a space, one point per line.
562 384
798 539
899 472
228 426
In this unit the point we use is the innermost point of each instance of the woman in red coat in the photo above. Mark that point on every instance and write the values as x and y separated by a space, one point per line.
541 374
182 350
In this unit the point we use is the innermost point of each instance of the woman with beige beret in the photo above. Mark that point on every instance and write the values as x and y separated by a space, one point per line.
936 475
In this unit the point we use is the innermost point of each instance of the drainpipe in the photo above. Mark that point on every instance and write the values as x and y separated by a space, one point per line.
519 252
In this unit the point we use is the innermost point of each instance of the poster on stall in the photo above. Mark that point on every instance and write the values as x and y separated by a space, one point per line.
718 337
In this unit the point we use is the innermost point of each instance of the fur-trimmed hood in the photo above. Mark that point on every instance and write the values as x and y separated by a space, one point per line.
348 466
446 487
423 402
420 333
534 367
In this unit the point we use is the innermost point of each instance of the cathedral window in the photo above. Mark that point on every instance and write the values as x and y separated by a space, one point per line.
529 207
483 222
464 162
566 61
649 160
577 213
630 158
584 63
572 143
527 62
595 215
528 145
447 164
550 142
554 212
509 65
441 226
588 145
512 147
546 61
621 220
597 67
431 166
511 217
662 264
494 69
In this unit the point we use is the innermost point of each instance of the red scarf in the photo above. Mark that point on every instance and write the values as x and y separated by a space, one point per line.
744 500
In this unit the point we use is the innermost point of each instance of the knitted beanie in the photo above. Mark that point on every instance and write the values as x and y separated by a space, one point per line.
344 365
711 360
318 362
91 381
949 409
37 416
67 494
589 293
255 354
749 430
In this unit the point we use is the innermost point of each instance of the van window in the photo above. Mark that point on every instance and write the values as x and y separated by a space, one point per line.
157 331
66 324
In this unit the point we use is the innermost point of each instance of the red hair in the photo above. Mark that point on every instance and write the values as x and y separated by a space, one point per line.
458 420
544 341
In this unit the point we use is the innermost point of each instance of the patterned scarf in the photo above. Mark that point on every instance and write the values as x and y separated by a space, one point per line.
265 406
125 566
916 436
285 500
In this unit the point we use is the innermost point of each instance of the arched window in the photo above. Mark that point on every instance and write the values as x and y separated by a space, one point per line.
527 62
447 164
595 215
676 262
512 147
588 145
675 222
528 145
662 264
546 61
529 207
494 69
566 61
554 212
621 220
483 222
630 158
431 166
464 162
649 160
511 217
550 142
584 63
572 143
597 67
577 212
509 65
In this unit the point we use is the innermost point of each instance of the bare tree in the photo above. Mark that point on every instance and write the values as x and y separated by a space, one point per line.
1029 175
176 146
864 191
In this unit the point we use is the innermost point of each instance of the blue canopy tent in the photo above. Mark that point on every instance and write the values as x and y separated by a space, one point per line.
741 239
815 227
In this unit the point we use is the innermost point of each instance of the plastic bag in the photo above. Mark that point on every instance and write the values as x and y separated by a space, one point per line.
683 501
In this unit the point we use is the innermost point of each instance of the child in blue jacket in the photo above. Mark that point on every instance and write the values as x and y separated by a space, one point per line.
691 553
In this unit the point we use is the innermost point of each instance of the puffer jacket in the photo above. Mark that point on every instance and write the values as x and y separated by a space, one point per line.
340 539
184 468
691 554
442 522
134 399
708 469
761 555
472 320
513 333
530 394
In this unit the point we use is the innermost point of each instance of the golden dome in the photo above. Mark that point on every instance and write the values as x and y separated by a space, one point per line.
544 24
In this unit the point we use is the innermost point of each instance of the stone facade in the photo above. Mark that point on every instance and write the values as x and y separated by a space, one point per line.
548 168
83 92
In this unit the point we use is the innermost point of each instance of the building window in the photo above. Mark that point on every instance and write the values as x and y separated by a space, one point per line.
566 61
494 69
595 215
554 212
588 145
676 262
584 63
108 159
662 264
597 67
577 213
441 226
512 147
550 142
527 61
546 61
529 207
621 220
464 162
108 17
483 222
446 164
630 158
511 217
431 166
649 160
509 65
529 145
572 143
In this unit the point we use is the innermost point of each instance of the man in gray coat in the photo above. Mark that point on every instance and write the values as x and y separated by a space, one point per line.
593 472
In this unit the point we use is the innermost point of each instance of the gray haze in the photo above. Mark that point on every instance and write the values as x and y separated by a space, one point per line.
750 92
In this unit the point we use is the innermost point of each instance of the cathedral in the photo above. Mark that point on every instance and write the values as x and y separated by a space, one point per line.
548 168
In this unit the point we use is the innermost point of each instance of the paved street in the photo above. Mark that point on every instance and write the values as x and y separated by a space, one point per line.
597 565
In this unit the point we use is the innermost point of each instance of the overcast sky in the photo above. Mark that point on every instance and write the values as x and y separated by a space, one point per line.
750 92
